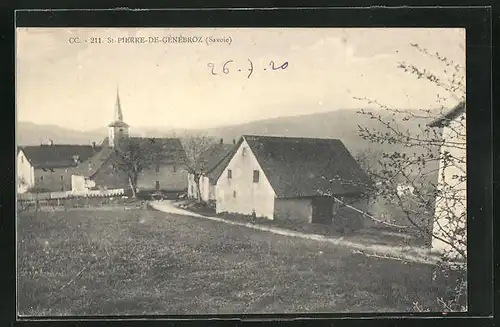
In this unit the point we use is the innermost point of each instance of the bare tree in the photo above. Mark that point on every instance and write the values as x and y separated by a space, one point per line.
424 154
195 146
132 157
369 159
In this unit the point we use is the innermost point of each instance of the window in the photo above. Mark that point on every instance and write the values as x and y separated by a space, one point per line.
255 176
121 129
243 151
41 178
157 167
62 177
157 186
22 159
229 174
234 194
175 168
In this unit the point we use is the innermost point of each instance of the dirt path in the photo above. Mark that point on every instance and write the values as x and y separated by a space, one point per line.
413 254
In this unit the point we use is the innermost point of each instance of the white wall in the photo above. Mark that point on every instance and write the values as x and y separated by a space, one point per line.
77 183
240 194
116 133
205 188
203 185
25 173
447 208
81 184
192 193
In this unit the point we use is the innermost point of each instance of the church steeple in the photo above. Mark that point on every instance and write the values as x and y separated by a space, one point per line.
118 107
118 129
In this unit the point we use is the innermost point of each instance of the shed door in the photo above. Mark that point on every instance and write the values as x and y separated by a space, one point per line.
322 210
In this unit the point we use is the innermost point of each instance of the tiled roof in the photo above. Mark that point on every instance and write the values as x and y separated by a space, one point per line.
94 163
171 148
215 159
449 116
58 155
303 167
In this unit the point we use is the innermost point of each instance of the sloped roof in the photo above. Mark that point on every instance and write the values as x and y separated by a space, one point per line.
449 116
171 148
94 163
58 155
303 167
215 159
117 123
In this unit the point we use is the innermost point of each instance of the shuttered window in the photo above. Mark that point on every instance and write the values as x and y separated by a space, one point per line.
256 176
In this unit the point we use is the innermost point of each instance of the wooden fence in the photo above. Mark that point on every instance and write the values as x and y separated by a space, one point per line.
70 194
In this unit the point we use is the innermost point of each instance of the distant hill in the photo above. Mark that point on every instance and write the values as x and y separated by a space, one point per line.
341 124
34 134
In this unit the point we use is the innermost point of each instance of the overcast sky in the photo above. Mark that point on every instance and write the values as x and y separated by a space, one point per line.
171 85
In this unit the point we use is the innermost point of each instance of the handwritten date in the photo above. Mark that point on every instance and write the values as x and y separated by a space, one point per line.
229 66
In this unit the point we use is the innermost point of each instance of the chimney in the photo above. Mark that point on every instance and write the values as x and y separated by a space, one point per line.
93 145
234 141
221 141
51 142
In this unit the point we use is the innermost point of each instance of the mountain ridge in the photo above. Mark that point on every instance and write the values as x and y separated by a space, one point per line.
341 124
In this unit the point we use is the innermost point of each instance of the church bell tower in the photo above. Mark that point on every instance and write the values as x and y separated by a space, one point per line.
118 129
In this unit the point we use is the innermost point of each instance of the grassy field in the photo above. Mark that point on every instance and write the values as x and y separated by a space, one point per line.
142 261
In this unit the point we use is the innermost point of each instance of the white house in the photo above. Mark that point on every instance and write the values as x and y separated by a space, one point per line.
212 163
49 167
25 173
288 178
451 202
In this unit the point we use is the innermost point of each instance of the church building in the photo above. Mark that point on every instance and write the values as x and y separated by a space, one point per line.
56 167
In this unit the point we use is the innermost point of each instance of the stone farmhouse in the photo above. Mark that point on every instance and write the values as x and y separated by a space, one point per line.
292 178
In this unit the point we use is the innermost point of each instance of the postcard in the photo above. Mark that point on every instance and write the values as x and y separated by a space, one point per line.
184 171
